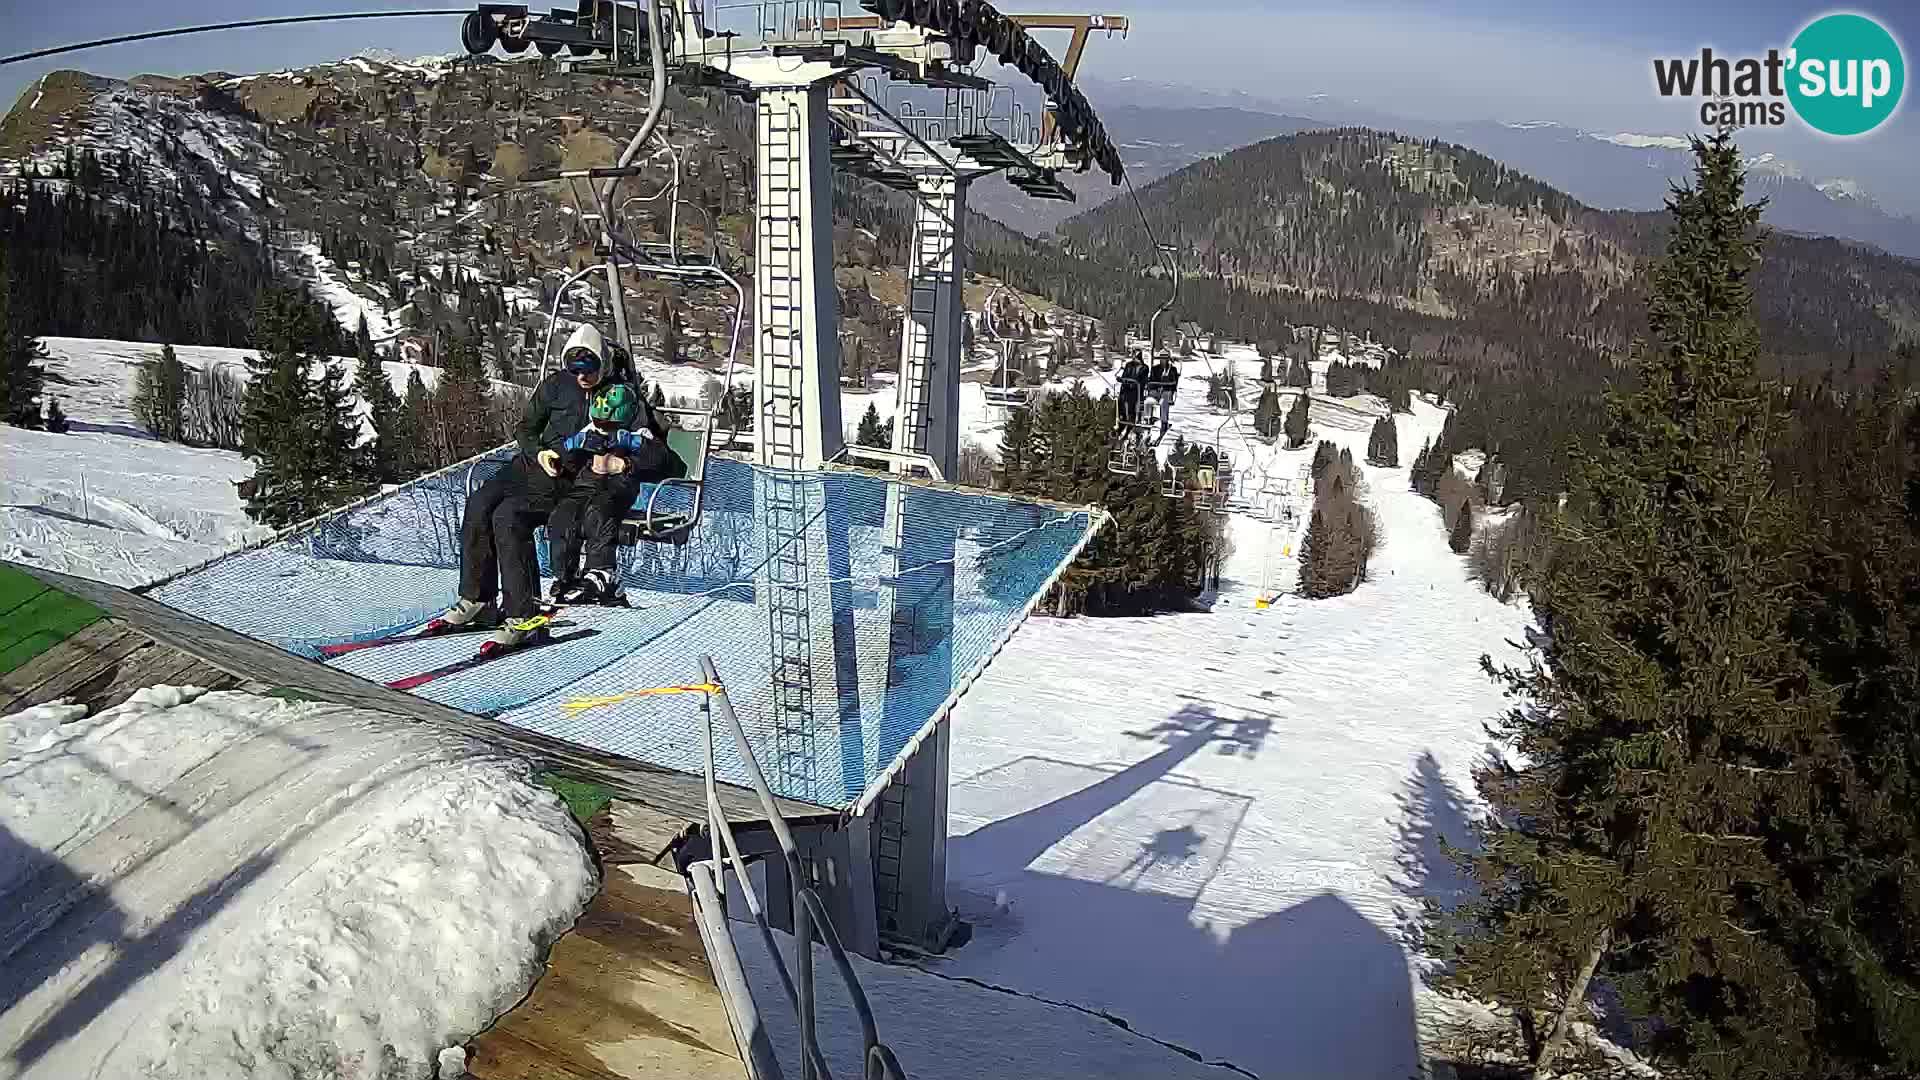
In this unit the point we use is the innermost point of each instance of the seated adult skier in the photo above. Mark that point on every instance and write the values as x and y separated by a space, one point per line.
499 573
1133 383
622 448
1163 384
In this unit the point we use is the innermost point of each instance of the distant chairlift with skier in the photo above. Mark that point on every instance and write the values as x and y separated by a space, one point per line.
1003 390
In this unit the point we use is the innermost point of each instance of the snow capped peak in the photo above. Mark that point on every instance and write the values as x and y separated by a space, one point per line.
1642 142
1772 165
1529 125
1843 190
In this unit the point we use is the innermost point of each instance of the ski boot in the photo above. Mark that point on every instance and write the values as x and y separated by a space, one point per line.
464 615
563 588
597 587
516 633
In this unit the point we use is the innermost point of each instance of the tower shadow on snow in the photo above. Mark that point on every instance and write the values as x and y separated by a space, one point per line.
1315 991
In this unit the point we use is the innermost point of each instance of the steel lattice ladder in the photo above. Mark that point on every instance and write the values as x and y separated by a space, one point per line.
781 307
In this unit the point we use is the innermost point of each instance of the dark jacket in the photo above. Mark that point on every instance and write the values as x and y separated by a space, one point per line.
558 410
1166 374
1135 372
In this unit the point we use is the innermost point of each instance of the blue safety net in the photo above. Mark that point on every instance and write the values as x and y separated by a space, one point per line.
841 608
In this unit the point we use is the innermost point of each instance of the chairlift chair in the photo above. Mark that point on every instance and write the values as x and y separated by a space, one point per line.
647 520
1002 394
1173 485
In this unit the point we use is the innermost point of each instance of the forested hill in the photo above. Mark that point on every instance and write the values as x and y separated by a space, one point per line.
1435 229
1515 298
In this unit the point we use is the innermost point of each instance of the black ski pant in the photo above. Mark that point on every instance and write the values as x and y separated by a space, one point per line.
1129 403
497 558
589 517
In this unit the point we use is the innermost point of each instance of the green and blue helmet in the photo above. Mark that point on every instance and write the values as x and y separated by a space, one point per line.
615 406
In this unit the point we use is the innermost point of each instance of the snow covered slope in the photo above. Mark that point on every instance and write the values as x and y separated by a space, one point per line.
1213 826
214 885
107 501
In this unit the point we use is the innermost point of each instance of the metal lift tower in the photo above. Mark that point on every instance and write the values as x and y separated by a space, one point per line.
895 97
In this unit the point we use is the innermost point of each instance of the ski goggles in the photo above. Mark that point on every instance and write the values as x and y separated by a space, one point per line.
581 361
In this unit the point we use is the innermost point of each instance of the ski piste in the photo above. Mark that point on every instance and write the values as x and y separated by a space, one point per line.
413 682
434 629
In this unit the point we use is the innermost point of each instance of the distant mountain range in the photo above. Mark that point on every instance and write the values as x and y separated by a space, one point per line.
1623 170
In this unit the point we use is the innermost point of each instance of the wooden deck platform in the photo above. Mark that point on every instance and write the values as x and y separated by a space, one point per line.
627 995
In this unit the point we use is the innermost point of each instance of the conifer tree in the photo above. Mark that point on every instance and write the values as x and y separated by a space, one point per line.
56 417
21 359
463 401
1461 538
159 396
1297 424
1266 414
1020 453
1676 745
1383 445
384 416
869 432
414 451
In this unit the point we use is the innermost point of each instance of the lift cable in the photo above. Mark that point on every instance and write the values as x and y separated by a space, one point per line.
1233 391
242 24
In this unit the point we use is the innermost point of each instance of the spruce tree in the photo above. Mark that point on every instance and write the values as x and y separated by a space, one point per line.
1019 453
1383 444
1461 538
21 358
159 396
463 401
1297 424
869 432
278 406
1674 742
1266 414
384 411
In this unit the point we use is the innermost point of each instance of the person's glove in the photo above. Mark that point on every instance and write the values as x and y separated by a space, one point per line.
616 464
549 462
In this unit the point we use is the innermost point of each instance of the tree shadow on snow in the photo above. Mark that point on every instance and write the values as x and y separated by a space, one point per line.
1434 816
1312 991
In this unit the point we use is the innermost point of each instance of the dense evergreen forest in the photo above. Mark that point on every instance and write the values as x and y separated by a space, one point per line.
133 266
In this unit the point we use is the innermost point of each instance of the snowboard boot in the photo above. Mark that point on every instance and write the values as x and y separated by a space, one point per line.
563 589
516 633
466 613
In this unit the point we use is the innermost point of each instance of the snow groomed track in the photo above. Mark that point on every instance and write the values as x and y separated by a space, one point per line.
889 635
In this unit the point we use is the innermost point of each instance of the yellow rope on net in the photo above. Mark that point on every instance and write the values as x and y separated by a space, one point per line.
583 704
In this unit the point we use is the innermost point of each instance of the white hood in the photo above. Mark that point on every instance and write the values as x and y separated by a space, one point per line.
587 337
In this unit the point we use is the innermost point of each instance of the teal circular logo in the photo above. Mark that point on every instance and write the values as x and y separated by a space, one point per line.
1847 74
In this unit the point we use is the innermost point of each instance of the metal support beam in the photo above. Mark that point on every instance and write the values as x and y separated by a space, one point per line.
927 395
796 304
910 825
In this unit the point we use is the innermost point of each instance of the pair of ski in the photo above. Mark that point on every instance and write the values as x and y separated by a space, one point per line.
442 628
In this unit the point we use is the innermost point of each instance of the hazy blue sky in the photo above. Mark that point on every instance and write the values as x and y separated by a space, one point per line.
1582 62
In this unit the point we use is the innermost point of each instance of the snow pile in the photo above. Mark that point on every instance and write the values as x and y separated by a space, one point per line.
225 885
